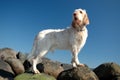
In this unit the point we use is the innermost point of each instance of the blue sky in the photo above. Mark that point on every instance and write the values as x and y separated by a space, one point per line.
21 20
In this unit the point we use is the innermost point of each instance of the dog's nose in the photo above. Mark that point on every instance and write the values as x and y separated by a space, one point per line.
74 14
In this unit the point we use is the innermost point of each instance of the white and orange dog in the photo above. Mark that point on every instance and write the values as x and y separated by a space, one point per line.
73 39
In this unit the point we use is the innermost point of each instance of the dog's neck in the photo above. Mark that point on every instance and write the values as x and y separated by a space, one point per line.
79 28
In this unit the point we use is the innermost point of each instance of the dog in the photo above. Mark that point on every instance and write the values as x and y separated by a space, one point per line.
72 38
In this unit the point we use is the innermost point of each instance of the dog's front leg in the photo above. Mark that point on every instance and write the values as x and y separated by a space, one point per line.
75 60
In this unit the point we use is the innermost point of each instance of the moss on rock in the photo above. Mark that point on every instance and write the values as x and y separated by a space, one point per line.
30 76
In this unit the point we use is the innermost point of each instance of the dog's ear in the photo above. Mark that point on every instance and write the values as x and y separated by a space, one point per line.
86 19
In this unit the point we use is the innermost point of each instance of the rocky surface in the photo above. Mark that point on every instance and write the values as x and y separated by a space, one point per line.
49 67
10 66
108 71
6 71
79 73
14 66
22 56
7 52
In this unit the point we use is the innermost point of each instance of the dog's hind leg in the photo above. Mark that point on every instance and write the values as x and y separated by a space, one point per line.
37 60
34 49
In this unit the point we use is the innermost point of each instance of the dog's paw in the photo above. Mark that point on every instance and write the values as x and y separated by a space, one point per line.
74 65
36 71
80 65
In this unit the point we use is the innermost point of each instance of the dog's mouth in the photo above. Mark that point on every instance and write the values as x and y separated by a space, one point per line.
75 18
77 21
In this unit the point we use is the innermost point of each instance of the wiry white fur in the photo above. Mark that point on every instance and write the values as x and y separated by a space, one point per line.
65 39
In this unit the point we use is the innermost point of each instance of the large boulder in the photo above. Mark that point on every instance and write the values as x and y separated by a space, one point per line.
30 76
50 67
6 71
16 65
108 71
7 52
79 73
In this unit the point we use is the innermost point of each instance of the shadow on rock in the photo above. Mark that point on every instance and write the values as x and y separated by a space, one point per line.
6 74
6 71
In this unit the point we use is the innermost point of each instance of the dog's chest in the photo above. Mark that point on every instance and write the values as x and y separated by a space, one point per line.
80 38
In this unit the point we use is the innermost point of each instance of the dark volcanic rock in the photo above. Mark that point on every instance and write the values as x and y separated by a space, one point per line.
6 71
108 71
16 65
7 52
79 73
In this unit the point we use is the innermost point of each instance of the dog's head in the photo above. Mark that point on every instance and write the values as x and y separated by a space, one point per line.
80 19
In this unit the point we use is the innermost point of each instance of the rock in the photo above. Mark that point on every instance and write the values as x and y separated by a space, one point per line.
1 78
47 66
16 65
30 76
116 78
27 66
7 52
6 71
21 56
108 71
50 67
79 73
66 66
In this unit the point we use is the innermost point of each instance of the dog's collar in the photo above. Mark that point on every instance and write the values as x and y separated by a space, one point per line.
79 29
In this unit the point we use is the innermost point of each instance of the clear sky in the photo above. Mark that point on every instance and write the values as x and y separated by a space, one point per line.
21 20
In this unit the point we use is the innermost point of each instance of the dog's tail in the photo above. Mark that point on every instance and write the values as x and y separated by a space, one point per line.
31 55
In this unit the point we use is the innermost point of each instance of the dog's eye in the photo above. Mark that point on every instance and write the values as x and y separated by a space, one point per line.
81 12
